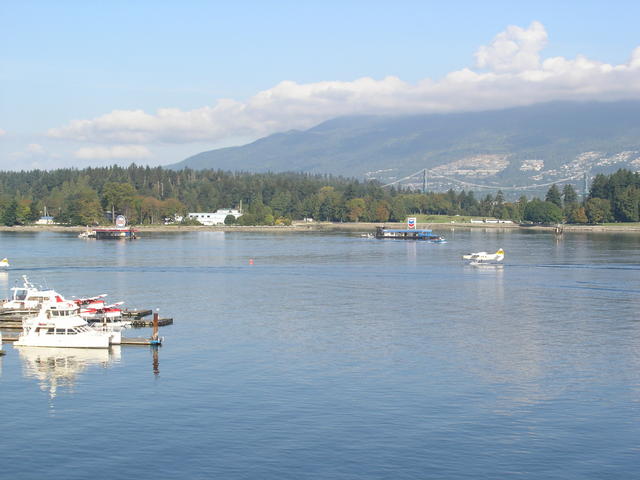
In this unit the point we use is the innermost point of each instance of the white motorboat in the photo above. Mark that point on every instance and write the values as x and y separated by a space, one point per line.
59 325
484 257
4 263
28 299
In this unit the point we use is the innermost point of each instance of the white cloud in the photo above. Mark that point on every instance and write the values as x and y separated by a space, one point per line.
114 152
510 72
30 152
35 149
514 50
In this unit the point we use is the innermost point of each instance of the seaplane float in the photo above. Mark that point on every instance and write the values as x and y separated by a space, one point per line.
484 258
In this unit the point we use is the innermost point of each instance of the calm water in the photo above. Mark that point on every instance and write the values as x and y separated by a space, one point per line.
334 356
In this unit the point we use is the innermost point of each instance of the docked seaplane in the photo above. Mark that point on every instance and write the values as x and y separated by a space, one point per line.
94 311
484 258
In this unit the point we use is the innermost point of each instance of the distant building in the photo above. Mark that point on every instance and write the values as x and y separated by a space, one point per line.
45 220
216 218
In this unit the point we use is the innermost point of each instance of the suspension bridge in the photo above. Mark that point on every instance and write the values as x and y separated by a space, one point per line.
427 174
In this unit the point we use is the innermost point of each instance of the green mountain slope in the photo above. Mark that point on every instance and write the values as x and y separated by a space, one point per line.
518 145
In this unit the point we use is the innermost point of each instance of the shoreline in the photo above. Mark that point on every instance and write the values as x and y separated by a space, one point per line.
360 227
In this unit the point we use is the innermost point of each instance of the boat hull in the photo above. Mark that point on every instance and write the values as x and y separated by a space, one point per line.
64 341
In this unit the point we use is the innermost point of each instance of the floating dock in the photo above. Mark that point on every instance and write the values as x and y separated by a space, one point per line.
162 322
125 340
136 313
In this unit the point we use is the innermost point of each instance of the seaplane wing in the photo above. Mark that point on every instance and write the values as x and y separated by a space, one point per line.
85 300
114 305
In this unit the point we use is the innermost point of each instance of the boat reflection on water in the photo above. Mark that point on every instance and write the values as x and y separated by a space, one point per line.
58 368
156 360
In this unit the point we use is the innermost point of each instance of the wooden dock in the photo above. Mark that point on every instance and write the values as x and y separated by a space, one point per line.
135 323
136 313
4 325
125 340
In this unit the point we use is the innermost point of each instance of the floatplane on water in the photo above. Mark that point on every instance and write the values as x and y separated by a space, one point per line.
485 258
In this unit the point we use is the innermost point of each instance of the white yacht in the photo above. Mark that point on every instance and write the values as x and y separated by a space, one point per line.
4 263
28 299
59 325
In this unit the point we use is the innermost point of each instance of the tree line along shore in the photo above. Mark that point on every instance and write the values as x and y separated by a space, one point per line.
152 196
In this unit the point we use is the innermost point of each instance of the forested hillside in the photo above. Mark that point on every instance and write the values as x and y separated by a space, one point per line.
149 195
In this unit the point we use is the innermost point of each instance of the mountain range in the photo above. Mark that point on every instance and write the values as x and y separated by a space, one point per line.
539 144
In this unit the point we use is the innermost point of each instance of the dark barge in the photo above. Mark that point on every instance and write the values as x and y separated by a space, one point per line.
115 233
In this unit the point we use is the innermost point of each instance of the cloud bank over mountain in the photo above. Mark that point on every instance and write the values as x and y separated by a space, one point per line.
508 72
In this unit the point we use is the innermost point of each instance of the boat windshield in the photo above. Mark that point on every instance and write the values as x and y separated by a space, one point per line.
20 294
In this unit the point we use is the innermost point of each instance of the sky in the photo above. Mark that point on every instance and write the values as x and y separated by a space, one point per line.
87 83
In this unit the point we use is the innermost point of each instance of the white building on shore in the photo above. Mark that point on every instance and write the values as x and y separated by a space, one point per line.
216 218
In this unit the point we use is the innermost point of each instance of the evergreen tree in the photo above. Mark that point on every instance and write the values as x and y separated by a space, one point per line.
10 217
553 196
569 194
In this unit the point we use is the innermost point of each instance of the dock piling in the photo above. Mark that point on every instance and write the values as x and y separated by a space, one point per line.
154 336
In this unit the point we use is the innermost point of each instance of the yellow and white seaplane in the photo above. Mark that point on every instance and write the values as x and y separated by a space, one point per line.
484 258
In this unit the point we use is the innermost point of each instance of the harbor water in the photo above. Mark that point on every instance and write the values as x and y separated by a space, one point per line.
313 356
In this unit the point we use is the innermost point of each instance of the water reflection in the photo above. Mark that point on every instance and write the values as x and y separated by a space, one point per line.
156 360
58 368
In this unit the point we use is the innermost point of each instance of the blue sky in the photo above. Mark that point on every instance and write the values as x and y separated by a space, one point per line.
92 83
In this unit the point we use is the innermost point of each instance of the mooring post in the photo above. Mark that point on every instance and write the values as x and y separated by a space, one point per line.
155 326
